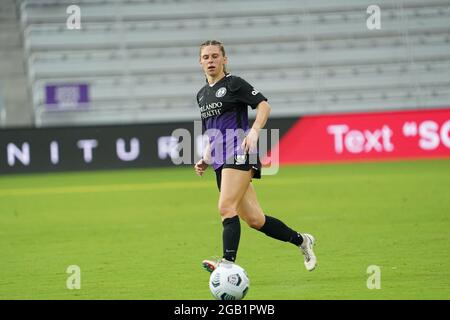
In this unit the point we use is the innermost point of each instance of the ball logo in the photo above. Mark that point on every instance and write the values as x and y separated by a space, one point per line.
221 92
234 279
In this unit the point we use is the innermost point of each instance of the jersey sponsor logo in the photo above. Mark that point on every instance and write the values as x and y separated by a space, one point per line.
221 92
210 110
211 106
255 92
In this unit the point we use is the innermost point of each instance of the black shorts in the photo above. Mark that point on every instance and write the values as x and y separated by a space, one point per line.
239 165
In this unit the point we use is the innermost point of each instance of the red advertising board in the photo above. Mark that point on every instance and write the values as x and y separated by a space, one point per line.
367 136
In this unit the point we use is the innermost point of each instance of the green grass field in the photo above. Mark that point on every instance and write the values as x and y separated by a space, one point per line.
141 234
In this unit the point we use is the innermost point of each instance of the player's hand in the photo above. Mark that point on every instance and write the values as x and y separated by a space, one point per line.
250 142
200 167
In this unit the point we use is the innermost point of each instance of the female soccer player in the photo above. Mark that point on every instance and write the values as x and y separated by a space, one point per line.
232 151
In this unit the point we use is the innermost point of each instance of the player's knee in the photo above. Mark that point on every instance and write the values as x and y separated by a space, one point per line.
255 222
226 210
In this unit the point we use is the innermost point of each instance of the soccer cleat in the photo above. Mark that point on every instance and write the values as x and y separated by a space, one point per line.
306 249
211 265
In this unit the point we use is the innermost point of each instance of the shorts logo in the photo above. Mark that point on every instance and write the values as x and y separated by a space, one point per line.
221 92
240 159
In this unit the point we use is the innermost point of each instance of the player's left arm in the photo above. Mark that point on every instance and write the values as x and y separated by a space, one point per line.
262 114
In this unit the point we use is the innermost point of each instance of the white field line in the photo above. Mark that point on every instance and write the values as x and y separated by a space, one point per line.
120 187
102 188
5 192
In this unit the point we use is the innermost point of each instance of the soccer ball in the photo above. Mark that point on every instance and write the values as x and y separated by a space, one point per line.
229 282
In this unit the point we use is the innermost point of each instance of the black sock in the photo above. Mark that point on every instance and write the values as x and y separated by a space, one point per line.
230 237
277 229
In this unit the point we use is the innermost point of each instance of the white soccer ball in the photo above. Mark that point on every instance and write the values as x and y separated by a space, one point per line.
229 282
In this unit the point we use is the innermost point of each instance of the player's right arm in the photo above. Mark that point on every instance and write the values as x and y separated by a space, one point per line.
201 165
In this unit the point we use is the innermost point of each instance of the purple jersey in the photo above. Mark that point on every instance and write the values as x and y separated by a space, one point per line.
224 112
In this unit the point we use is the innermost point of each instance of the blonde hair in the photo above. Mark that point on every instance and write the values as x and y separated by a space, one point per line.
215 43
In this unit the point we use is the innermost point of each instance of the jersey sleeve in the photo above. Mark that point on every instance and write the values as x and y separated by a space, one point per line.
199 93
246 93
